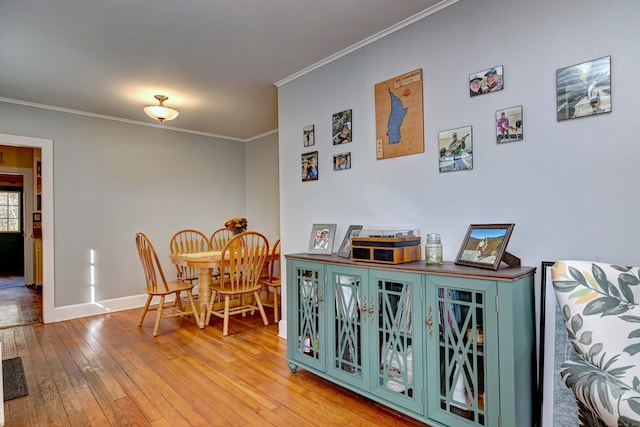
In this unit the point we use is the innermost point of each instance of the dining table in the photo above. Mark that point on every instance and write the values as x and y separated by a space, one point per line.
206 263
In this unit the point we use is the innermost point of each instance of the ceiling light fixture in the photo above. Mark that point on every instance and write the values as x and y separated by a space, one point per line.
160 112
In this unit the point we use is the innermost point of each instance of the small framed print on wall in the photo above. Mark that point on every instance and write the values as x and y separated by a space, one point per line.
308 135
584 89
509 125
342 161
342 127
456 149
309 166
486 81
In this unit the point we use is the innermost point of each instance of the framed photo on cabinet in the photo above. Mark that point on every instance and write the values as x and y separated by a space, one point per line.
485 245
345 246
321 239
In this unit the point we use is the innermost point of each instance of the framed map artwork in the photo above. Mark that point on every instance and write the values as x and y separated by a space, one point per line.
399 118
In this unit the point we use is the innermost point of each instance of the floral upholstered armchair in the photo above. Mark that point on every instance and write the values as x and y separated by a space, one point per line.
601 311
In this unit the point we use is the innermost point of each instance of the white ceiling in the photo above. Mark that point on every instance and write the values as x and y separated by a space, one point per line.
217 60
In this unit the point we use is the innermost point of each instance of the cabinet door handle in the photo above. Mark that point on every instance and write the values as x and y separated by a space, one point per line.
371 310
430 323
363 309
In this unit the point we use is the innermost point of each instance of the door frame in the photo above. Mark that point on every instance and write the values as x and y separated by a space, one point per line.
48 267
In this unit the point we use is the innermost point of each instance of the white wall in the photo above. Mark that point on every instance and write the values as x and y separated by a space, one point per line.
570 187
263 200
113 179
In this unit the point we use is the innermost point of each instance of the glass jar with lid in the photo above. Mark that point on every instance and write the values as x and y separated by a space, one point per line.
433 249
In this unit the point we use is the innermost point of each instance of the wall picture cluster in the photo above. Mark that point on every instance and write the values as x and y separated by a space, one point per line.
582 90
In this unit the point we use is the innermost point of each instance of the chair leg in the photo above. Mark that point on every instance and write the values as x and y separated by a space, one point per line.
193 307
178 301
276 303
256 295
158 316
225 325
145 309
210 308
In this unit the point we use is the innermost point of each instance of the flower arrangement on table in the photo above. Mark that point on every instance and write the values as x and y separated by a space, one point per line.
237 225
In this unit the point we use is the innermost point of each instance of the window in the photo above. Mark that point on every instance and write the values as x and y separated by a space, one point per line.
10 212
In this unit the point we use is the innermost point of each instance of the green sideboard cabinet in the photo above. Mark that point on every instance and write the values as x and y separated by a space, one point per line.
447 345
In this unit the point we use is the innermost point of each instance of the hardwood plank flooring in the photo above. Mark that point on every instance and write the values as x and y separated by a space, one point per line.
105 371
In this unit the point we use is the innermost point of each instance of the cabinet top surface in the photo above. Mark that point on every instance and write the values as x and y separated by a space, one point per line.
447 269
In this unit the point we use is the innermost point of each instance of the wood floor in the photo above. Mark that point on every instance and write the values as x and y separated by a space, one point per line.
105 371
19 304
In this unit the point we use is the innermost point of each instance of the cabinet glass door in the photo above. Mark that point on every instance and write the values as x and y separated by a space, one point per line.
308 311
461 368
397 311
348 311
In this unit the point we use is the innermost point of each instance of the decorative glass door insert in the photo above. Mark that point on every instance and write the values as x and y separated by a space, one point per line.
462 364
310 305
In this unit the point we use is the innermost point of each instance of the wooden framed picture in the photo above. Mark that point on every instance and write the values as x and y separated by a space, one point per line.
509 125
584 89
399 116
486 81
309 166
345 247
308 135
485 245
321 239
456 149
342 127
342 161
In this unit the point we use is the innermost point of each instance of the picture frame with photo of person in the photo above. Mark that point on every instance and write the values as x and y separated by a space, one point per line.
486 81
345 246
509 125
308 135
485 246
455 149
342 161
309 166
584 89
321 239
342 127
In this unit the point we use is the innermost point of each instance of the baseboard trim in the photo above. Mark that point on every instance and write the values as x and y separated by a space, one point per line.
96 308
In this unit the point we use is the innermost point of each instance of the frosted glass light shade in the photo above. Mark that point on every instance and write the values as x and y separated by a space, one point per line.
160 112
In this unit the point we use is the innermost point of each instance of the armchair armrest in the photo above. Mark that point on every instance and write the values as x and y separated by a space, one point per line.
602 398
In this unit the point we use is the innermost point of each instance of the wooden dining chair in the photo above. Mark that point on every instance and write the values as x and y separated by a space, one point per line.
157 285
242 258
271 283
188 242
219 238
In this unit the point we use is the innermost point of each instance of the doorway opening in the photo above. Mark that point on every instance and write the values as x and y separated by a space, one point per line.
47 291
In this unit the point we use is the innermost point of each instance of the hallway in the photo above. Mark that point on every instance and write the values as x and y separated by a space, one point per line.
19 304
